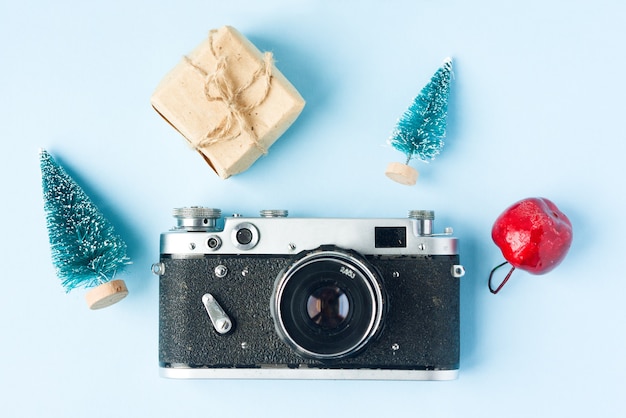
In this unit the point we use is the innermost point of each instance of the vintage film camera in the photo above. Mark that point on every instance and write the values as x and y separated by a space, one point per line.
306 298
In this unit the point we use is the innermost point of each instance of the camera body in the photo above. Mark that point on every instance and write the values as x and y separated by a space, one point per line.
280 297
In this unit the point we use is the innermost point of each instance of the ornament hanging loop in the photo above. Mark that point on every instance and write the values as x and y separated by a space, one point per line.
506 278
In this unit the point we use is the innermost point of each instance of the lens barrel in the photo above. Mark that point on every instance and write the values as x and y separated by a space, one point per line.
328 304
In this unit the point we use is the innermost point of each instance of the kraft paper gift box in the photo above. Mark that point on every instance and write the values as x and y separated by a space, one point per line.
228 100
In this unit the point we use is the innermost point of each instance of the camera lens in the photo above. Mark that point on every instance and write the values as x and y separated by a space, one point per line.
328 304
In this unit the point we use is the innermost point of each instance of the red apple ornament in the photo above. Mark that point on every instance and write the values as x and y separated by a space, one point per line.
533 235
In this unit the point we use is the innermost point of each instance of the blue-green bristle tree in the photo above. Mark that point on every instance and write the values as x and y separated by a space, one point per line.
86 251
420 130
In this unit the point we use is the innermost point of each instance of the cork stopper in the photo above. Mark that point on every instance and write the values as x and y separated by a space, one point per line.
106 294
402 173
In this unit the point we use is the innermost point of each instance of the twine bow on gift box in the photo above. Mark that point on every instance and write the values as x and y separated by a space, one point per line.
219 88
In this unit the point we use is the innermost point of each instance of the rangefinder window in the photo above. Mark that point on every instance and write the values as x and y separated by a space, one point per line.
390 237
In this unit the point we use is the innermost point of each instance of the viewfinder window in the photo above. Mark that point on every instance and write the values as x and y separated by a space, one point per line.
390 237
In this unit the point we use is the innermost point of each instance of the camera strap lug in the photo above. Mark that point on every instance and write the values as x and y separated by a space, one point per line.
457 271
221 322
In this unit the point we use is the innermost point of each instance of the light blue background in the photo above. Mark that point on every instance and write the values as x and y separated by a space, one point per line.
536 109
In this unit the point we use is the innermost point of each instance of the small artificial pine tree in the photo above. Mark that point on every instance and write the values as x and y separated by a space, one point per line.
420 130
86 251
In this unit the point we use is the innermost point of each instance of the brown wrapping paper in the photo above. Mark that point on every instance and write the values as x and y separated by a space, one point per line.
228 100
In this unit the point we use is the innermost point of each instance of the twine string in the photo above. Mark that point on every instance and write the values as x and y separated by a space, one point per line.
219 88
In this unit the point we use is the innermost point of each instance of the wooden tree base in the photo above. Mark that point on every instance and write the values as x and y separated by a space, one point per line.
402 173
106 294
